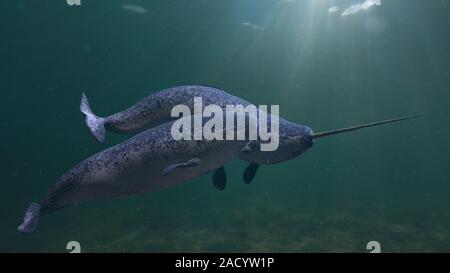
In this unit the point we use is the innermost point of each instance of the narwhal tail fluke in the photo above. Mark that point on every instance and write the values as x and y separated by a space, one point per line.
31 219
349 129
95 124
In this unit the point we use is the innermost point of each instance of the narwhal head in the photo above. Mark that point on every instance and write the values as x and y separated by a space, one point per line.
294 139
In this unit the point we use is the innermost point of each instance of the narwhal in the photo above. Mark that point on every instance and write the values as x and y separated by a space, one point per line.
156 108
153 160
147 162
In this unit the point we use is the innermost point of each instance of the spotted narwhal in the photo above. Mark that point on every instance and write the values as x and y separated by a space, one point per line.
147 162
156 109
153 160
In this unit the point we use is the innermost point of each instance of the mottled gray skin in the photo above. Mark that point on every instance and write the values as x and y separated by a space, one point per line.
136 166
294 140
156 109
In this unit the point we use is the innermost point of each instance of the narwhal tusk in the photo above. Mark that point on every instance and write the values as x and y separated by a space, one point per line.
349 129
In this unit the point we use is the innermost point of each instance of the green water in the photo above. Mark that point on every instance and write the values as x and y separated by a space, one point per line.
389 184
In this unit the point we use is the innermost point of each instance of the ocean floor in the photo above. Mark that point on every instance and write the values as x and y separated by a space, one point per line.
265 228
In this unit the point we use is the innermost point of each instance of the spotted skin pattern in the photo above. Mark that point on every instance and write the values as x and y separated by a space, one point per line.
156 109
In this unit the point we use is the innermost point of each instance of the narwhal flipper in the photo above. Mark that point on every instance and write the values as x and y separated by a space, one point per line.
30 219
250 172
190 163
95 124
220 179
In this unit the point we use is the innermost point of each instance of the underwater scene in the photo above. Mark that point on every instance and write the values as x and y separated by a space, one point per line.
87 136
